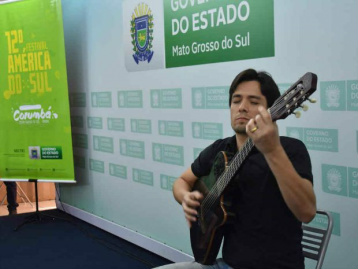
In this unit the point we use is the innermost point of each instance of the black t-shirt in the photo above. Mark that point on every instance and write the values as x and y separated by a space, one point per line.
265 233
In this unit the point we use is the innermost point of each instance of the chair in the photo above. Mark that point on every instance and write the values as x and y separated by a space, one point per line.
315 240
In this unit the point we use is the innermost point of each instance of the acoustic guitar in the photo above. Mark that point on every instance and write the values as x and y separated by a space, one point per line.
206 233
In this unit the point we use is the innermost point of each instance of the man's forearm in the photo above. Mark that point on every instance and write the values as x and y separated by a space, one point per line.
297 192
180 187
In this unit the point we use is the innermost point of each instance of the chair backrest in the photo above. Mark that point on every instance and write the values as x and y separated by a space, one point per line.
315 240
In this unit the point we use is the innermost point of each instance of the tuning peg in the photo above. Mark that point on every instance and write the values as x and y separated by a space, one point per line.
297 114
312 100
304 107
300 87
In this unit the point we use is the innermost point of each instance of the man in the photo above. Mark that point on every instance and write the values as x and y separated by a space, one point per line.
11 192
272 191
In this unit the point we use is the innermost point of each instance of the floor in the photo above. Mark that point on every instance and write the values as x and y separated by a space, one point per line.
27 207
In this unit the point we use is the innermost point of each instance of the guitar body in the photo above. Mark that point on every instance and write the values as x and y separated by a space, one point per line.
207 232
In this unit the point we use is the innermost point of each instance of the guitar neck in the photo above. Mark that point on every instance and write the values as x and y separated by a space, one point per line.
224 179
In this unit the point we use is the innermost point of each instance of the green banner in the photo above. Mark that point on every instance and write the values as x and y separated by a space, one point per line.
34 104
211 31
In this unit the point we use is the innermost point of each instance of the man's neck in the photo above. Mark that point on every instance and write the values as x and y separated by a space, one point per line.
240 140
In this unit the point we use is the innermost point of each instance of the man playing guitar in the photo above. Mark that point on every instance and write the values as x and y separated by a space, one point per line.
271 193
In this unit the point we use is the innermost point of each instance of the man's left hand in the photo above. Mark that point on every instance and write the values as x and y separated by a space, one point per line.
263 132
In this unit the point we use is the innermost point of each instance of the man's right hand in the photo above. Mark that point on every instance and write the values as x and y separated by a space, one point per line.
191 201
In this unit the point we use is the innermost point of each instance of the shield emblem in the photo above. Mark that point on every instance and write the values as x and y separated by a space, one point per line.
141 32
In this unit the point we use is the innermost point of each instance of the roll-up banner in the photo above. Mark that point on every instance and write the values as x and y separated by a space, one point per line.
35 133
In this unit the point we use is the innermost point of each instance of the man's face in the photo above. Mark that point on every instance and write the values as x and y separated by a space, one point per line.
244 104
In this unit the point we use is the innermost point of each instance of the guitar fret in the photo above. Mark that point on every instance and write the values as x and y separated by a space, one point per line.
226 176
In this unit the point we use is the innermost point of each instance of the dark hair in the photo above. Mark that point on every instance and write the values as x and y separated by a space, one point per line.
268 86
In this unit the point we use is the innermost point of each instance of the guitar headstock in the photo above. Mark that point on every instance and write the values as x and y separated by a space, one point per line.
290 100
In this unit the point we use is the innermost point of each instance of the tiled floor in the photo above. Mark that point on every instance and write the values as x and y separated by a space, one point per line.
27 207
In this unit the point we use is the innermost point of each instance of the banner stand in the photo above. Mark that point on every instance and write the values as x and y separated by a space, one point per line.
37 216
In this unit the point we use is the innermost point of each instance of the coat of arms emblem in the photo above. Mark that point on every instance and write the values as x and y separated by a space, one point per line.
142 33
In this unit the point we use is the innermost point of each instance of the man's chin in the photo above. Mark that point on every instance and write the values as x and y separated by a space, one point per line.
240 130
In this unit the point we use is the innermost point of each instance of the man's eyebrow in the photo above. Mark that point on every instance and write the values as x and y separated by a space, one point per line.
250 96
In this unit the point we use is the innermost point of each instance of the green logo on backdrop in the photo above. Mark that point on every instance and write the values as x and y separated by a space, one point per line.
130 99
321 139
166 98
118 170
103 143
316 139
78 99
321 222
166 182
170 154
353 182
201 32
340 180
143 177
197 151
295 132
94 122
339 95
80 140
352 95
132 148
333 95
96 165
101 99
334 179
77 121
171 128
51 153
79 161
141 126
207 130
116 124
210 98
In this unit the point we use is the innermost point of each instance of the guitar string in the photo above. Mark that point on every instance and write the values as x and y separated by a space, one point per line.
224 179
234 164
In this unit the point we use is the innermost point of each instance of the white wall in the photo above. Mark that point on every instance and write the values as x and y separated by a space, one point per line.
317 36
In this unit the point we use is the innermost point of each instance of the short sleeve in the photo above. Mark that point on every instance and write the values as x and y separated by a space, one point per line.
299 156
203 163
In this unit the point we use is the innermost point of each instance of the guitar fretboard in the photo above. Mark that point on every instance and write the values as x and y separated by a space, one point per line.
224 179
